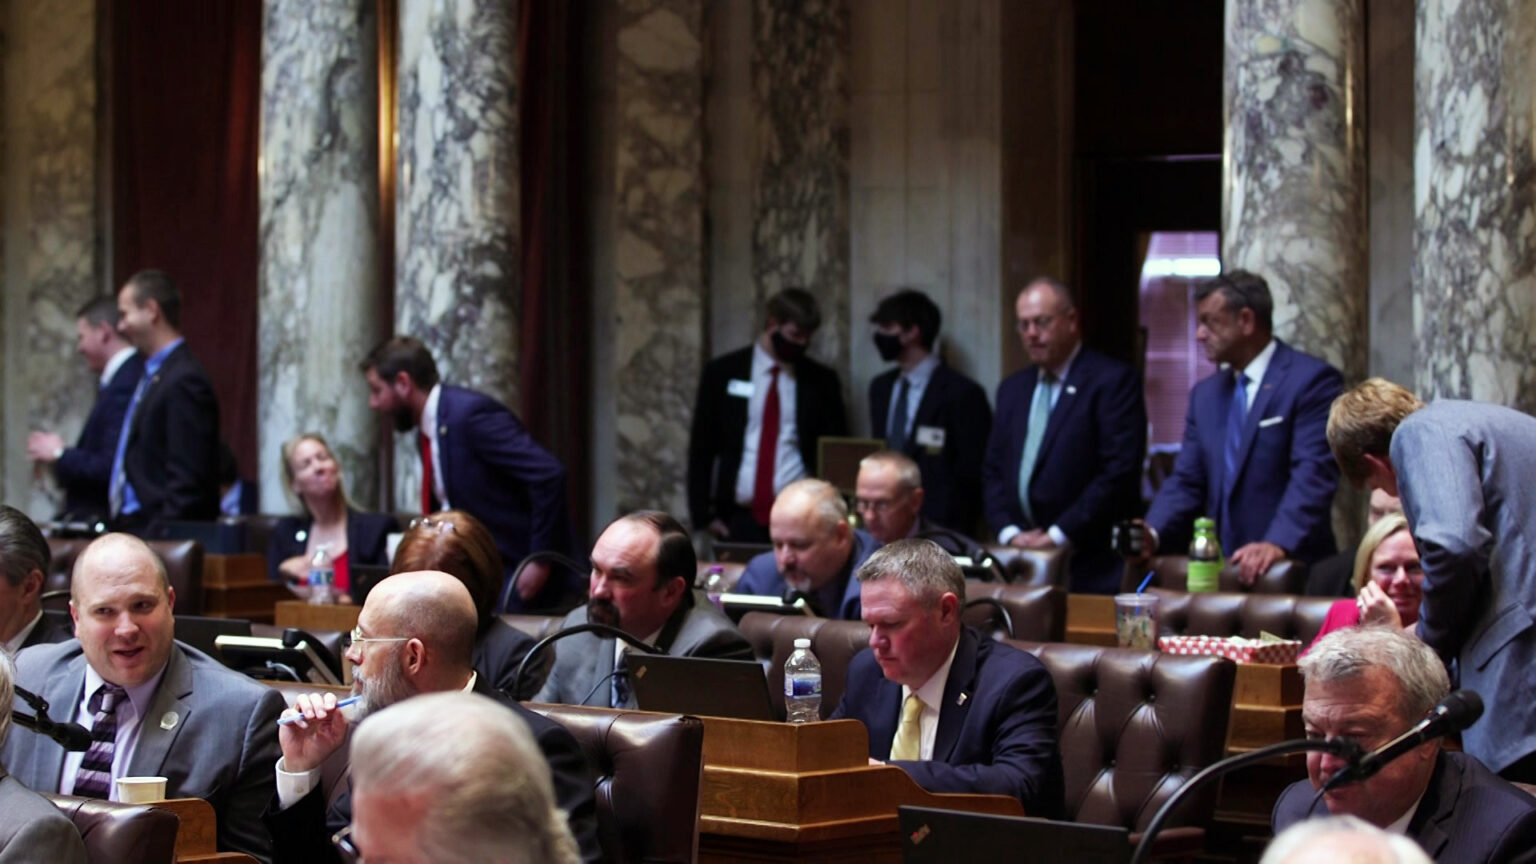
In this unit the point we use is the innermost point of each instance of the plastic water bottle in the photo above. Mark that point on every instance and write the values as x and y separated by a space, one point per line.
802 684
714 583
322 575
1204 557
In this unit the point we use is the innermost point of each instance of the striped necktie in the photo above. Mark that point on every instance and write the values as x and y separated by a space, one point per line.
94 779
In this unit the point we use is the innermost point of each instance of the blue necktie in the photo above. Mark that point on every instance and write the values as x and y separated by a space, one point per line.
618 697
896 429
1237 415
1039 418
119 495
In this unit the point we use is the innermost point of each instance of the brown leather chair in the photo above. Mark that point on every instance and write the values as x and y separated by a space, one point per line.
1172 572
258 530
649 769
1038 612
183 566
833 642
1033 566
1220 613
1134 726
121 833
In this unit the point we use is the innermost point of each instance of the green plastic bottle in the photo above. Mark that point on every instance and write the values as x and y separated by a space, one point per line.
1204 556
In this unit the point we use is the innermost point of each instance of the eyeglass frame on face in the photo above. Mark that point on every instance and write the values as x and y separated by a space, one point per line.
356 638
1041 323
442 526
877 505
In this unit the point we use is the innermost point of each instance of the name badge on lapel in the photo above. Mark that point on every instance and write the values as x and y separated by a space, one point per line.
738 388
931 437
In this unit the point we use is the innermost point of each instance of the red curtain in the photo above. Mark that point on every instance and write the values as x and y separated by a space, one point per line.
182 83
552 88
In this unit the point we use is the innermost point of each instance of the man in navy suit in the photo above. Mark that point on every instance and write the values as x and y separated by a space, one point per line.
929 411
477 457
166 466
84 471
1064 458
759 415
24 562
957 712
1255 460
815 551
1373 684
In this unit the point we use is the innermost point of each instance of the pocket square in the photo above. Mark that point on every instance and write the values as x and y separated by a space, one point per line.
1270 421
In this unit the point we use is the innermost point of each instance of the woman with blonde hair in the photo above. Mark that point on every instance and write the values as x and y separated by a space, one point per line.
312 481
1388 580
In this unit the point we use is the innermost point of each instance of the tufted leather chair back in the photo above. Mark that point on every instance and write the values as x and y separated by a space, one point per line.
183 566
1039 612
833 642
1033 566
1135 725
1172 572
649 768
121 833
1288 616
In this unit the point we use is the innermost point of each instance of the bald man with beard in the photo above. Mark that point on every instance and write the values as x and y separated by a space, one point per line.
415 635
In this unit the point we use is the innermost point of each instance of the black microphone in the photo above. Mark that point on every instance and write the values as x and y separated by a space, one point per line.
72 735
1454 713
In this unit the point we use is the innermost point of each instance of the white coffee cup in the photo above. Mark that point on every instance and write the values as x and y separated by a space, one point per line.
140 790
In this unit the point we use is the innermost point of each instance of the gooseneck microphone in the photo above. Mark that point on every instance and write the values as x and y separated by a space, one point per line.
72 736
1454 713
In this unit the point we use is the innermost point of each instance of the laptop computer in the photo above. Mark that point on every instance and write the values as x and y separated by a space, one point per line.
201 632
696 685
933 836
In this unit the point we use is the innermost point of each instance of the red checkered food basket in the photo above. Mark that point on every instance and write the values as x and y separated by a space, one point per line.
1234 648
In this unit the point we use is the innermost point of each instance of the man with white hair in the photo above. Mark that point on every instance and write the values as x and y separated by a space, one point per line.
1331 839
1371 684
31 828
815 551
479 793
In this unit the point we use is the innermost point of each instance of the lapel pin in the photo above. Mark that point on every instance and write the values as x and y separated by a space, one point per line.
168 720
1071 391
301 536
441 431
961 700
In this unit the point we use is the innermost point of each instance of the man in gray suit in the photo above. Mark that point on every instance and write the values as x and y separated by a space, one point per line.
155 707
643 567
1463 471
31 828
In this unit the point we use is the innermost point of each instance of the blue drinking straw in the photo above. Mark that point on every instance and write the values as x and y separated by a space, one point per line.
1143 585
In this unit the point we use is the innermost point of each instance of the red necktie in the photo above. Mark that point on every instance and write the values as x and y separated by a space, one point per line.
767 449
426 473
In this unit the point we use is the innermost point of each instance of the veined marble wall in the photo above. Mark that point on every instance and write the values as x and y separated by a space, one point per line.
1474 273
457 285
658 210
800 228
1294 197
48 230
319 234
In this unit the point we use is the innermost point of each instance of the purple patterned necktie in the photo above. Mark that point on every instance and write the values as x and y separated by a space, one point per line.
94 779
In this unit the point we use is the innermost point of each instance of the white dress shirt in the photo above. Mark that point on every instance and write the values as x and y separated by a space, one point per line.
787 464
13 644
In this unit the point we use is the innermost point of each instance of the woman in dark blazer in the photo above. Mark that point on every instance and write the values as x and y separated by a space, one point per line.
458 544
312 480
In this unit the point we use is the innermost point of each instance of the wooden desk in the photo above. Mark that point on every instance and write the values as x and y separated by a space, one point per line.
1091 619
236 586
195 838
337 617
806 792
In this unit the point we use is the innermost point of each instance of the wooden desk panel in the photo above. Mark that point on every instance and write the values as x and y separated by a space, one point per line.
1091 619
236 586
336 617
196 836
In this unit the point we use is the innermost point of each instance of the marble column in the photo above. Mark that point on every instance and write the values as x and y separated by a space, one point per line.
1294 193
457 284
800 222
1474 271
319 291
658 210
49 238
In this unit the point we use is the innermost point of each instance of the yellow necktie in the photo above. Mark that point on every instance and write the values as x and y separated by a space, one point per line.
908 743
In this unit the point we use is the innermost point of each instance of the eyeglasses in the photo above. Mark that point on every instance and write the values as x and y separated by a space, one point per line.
342 840
357 638
874 505
1039 322
442 526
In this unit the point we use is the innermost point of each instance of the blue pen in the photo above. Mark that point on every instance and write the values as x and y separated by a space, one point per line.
297 717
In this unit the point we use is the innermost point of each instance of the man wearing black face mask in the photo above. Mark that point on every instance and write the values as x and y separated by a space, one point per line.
929 411
759 415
